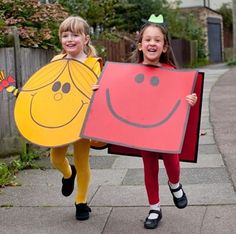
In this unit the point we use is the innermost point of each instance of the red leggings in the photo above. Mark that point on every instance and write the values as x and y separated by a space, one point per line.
151 170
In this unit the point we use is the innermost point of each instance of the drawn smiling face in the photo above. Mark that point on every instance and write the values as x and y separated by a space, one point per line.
59 113
140 106
153 82
51 107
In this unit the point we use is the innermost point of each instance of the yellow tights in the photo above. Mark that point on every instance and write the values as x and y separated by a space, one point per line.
81 161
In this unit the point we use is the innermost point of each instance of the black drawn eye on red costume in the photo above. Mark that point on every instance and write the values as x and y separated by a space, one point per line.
140 79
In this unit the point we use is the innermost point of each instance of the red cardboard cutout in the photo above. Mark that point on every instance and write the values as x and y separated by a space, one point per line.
189 151
141 107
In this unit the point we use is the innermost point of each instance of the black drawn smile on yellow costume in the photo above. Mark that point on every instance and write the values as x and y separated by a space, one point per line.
34 117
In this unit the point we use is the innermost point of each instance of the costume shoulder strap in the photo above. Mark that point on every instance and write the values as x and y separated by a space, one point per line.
91 61
57 57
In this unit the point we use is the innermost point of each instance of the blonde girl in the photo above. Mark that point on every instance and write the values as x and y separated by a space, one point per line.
76 44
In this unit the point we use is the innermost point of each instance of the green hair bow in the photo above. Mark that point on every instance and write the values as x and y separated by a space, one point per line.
156 19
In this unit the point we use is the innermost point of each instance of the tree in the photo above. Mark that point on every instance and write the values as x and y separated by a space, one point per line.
37 24
118 17
226 11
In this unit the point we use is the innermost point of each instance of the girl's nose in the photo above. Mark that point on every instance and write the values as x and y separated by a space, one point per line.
70 38
152 42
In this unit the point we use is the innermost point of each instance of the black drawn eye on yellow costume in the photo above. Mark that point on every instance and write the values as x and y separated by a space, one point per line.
51 106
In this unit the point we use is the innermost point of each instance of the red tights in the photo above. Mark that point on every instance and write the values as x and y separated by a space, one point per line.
151 170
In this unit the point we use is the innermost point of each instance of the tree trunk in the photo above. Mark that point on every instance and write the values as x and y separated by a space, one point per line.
234 28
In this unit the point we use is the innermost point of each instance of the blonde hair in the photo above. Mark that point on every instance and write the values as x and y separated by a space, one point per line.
78 25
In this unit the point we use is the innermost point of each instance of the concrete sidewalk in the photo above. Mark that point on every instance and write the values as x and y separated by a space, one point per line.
117 195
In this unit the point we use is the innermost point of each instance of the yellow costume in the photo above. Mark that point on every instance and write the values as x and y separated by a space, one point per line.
81 150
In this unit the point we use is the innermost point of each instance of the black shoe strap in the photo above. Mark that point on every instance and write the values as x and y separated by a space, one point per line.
155 212
177 189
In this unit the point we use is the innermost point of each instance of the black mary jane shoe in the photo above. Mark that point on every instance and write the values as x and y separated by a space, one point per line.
68 184
181 202
153 223
82 211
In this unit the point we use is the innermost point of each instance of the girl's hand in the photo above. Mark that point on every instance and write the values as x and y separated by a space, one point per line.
191 99
95 87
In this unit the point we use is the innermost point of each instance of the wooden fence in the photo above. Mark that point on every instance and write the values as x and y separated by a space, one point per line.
185 51
115 51
30 60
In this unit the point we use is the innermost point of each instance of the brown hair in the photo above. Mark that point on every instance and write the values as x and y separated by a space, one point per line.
78 25
167 57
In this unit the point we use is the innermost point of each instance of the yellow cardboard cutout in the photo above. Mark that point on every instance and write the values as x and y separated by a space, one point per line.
51 106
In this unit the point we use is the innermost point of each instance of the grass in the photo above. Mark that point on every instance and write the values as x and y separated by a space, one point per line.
9 170
197 63
231 63
7 177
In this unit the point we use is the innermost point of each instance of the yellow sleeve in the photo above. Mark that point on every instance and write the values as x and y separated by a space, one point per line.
97 68
59 56
95 63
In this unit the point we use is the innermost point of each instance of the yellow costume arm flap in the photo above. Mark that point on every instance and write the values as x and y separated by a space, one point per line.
57 57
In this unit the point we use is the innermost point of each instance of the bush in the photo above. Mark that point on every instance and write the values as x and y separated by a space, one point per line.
37 23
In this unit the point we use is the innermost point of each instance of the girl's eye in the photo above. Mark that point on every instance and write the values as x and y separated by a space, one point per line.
65 35
56 86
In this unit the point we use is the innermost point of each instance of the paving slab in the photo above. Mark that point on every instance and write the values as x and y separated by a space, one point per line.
198 194
188 176
102 162
108 176
208 149
130 220
36 196
51 220
128 162
205 125
230 160
205 160
219 219
120 196
206 140
211 194
39 188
